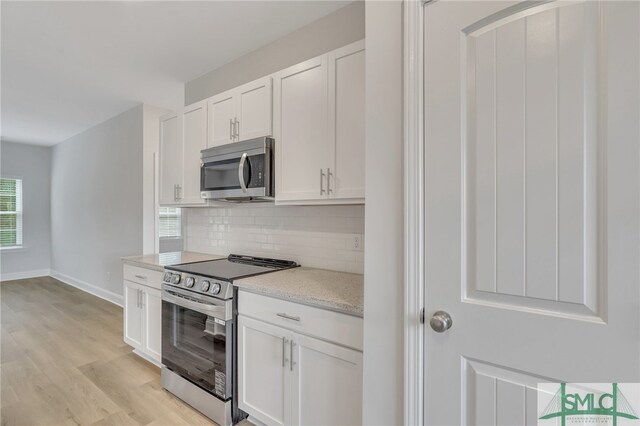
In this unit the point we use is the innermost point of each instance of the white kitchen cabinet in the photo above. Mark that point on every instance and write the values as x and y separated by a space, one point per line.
143 312
319 129
289 372
262 376
183 135
241 113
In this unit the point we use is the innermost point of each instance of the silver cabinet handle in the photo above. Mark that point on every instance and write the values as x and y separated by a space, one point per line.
237 129
141 299
243 159
142 277
329 174
137 298
289 317
284 349
231 128
321 182
291 355
179 191
175 192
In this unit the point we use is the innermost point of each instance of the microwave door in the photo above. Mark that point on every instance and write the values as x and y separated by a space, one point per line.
227 178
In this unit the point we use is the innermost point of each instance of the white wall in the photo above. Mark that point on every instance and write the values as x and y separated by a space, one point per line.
313 236
383 274
335 30
96 203
33 164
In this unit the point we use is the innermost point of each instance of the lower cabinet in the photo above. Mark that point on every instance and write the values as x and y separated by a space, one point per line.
143 313
288 378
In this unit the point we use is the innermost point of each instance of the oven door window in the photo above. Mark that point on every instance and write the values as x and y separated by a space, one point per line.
223 175
197 347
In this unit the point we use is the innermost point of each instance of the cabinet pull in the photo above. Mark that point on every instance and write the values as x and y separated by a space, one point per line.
237 129
179 196
231 128
284 349
291 355
329 174
175 192
321 181
137 298
142 277
289 317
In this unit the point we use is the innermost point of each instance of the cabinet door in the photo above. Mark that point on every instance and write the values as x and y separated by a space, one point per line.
132 314
300 130
195 140
152 310
222 113
326 383
346 121
263 352
170 157
254 109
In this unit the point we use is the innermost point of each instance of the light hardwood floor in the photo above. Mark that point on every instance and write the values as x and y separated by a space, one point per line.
63 362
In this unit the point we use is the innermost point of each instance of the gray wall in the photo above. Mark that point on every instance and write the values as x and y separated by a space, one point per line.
96 203
33 164
383 271
337 29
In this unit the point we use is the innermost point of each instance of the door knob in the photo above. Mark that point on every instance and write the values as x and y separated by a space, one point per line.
440 322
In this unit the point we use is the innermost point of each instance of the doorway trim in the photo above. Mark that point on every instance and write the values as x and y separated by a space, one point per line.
414 239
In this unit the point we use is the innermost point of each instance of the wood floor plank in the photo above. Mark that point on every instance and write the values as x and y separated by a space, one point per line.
63 361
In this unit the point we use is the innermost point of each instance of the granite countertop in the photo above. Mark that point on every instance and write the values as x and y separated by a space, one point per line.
337 291
159 261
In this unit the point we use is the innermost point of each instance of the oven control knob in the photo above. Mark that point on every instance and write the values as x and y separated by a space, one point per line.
175 279
204 286
167 277
190 282
215 288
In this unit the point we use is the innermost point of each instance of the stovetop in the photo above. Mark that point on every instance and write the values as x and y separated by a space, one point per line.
233 267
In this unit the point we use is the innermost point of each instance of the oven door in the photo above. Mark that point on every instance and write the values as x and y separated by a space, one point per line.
197 341
242 176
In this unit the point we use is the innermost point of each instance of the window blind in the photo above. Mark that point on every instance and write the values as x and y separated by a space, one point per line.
10 212
170 222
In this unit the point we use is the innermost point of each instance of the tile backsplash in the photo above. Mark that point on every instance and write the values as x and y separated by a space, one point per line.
327 237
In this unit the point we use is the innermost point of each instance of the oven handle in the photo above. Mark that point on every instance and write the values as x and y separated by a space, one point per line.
216 311
243 159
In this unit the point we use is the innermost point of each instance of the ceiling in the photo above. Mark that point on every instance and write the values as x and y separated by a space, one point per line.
67 66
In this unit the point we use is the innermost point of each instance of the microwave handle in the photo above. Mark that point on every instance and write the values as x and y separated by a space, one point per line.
243 159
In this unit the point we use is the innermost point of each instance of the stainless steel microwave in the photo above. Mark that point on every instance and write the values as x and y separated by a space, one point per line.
239 171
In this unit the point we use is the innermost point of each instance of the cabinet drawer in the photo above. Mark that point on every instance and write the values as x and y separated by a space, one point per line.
328 325
143 276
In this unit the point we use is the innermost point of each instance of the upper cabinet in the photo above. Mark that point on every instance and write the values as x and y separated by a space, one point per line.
319 129
241 113
182 136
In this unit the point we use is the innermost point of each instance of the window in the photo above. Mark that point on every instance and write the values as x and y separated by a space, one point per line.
10 212
170 222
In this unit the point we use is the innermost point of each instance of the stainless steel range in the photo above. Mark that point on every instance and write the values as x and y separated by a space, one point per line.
199 332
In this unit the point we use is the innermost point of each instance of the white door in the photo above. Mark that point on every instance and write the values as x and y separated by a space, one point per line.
263 361
222 115
133 314
254 109
346 122
532 184
195 140
152 307
300 130
170 157
327 383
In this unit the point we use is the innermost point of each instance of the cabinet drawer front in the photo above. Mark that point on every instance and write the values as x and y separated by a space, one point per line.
328 325
143 276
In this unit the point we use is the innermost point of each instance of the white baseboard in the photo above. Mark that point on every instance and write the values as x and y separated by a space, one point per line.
24 275
89 288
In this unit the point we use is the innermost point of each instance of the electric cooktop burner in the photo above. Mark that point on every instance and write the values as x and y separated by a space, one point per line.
234 267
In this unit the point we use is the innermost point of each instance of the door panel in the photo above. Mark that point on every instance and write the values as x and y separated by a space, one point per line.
263 388
531 202
153 323
170 157
327 383
132 315
221 113
346 121
195 140
254 109
300 130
